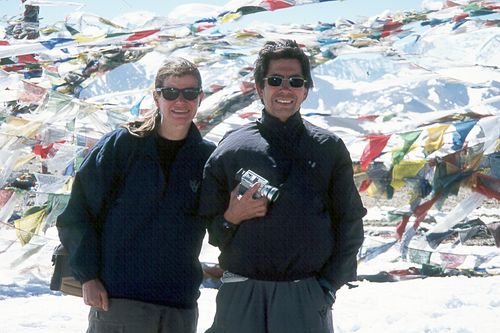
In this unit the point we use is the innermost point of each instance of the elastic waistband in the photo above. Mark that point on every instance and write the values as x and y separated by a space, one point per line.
229 277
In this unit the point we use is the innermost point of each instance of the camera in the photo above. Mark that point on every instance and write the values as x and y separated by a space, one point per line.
248 178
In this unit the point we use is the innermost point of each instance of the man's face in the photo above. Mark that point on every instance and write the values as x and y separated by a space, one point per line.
284 100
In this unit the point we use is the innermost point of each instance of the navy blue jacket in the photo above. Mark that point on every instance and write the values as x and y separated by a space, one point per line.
315 226
146 245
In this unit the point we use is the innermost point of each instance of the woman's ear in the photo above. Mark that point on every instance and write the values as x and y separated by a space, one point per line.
155 97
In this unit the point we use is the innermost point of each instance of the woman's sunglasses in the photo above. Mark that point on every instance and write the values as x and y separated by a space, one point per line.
171 94
277 81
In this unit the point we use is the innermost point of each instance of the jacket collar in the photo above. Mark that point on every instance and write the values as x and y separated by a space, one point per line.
193 137
291 128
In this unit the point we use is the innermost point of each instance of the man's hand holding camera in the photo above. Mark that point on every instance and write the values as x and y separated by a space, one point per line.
244 207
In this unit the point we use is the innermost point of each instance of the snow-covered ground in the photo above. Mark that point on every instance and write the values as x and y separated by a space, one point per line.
432 305
439 304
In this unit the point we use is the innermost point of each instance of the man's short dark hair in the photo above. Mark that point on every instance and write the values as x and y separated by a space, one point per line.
281 49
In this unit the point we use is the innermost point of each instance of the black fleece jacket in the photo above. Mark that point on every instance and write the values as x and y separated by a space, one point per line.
145 244
314 228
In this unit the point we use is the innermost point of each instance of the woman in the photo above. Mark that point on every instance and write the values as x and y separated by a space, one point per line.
131 225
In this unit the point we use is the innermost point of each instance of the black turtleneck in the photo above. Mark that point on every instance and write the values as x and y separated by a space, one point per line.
283 138
167 150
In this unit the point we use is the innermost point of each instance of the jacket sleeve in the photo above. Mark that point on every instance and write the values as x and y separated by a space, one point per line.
214 202
78 225
346 211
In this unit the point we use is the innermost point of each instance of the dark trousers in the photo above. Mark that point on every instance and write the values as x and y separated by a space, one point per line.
254 306
127 316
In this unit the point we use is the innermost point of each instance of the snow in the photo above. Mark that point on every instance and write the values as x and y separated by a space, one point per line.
434 304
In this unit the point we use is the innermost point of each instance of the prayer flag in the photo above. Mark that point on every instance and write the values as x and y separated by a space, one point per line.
29 225
463 129
376 143
409 138
435 138
405 169
142 34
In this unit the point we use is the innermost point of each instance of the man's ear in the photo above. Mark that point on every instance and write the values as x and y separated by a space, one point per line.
259 91
306 94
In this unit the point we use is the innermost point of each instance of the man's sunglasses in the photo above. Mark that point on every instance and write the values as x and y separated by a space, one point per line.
171 94
277 81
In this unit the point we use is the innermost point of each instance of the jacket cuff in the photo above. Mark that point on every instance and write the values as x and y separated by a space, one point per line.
222 232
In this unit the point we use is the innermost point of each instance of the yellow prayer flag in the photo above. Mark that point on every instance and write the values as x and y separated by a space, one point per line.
357 35
22 160
29 225
372 190
68 185
229 17
405 169
16 121
435 138
85 39
246 34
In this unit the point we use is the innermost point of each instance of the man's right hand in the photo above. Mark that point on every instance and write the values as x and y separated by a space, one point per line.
245 207
94 294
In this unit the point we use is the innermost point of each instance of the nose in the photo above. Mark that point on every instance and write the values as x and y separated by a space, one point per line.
181 98
285 84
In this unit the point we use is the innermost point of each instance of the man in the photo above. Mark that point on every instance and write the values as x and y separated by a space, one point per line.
283 260
131 225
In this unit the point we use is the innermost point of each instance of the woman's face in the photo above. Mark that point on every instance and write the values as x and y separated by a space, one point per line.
180 106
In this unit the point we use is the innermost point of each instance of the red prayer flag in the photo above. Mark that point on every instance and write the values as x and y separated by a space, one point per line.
142 34
376 143
5 196
364 185
460 17
368 117
31 93
401 227
276 4
449 4
487 186
420 212
43 152
452 260
24 58
248 114
392 25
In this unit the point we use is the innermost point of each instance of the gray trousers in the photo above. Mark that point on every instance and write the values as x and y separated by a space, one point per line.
253 306
128 316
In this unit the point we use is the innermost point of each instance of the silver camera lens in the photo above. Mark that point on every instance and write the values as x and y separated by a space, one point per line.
271 193
249 178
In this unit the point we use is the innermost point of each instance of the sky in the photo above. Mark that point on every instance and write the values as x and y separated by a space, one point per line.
303 14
